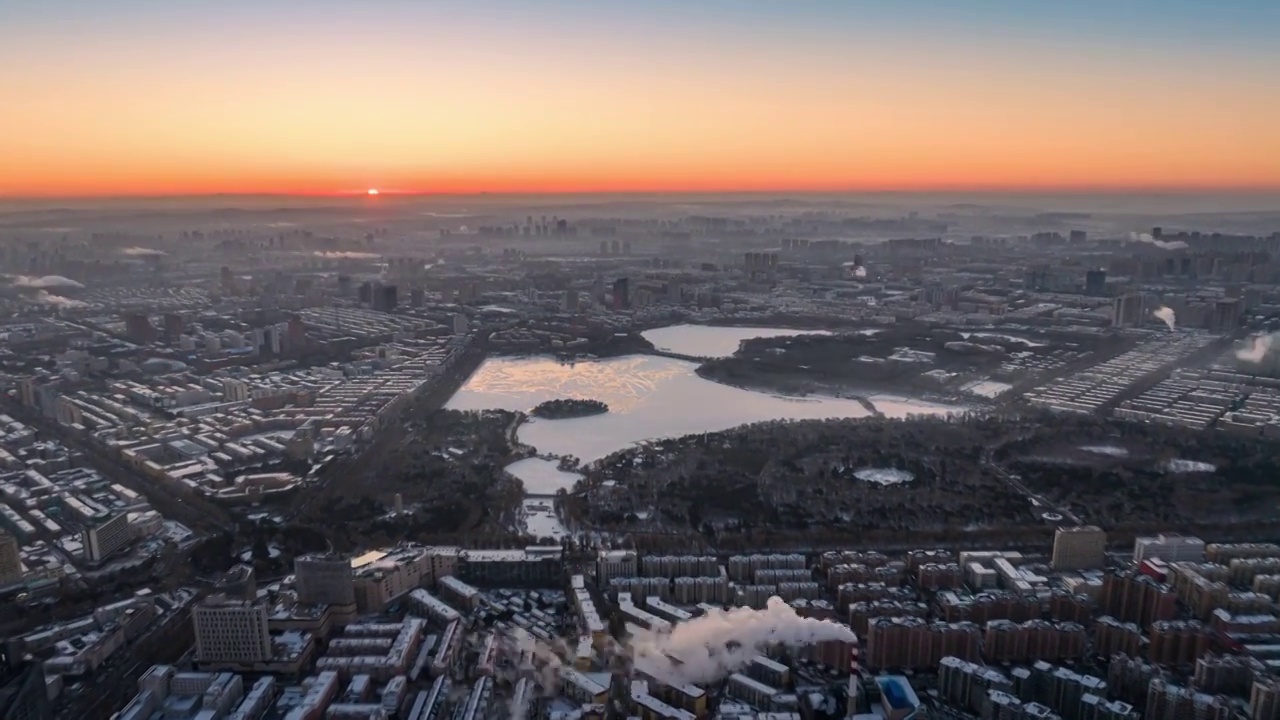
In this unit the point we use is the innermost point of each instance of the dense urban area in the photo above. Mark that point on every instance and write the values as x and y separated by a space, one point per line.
730 458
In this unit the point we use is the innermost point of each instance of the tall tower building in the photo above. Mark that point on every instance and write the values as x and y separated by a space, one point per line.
1079 548
10 560
231 631
324 580
1264 699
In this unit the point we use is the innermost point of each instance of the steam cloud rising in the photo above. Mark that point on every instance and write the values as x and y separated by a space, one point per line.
1257 348
1167 315
860 271
546 665
45 297
47 281
721 642
1145 238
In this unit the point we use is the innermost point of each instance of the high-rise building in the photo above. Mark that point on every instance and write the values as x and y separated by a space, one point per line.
384 297
10 559
105 535
1137 598
296 335
1079 548
173 325
324 580
1127 310
1226 314
571 301
1169 547
1110 636
1166 701
1095 282
231 631
23 695
1264 699
1178 642
621 294
138 328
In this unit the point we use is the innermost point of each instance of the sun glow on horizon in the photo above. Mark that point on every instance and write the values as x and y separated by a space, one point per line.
743 97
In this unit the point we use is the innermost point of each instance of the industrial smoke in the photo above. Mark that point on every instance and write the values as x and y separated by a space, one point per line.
860 271
1163 245
1256 348
1167 315
139 251
721 642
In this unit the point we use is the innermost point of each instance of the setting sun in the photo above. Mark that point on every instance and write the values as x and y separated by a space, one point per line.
373 191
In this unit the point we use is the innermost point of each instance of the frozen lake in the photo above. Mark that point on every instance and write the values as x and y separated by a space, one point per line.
706 341
649 398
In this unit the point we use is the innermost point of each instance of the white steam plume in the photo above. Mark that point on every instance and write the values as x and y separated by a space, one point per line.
860 271
1167 315
47 298
1163 245
139 251
1257 348
46 281
346 255
721 642
536 658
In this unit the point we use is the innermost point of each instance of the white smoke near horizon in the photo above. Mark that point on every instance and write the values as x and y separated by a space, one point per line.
860 271
1167 315
46 281
44 296
139 251
1163 245
346 255
1256 348
711 647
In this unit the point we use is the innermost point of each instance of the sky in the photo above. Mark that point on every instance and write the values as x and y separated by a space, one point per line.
181 97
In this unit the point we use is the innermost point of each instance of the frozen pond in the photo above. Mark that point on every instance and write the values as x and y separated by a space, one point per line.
542 477
538 518
987 388
1189 466
649 398
1000 336
884 476
712 342
1109 450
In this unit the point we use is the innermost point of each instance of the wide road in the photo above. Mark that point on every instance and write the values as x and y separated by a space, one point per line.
189 509
345 475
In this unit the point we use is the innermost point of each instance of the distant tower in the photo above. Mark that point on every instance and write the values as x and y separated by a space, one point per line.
399 504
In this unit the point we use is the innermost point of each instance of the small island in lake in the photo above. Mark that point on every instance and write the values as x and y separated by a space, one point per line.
568 408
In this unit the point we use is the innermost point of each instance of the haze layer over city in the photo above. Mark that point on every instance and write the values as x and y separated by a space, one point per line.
674 361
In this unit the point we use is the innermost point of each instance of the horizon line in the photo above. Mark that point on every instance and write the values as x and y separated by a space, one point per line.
939 190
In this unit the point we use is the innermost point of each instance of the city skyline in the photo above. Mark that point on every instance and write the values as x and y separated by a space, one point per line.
146 99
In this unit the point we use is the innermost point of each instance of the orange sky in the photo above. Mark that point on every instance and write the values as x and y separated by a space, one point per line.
271 113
